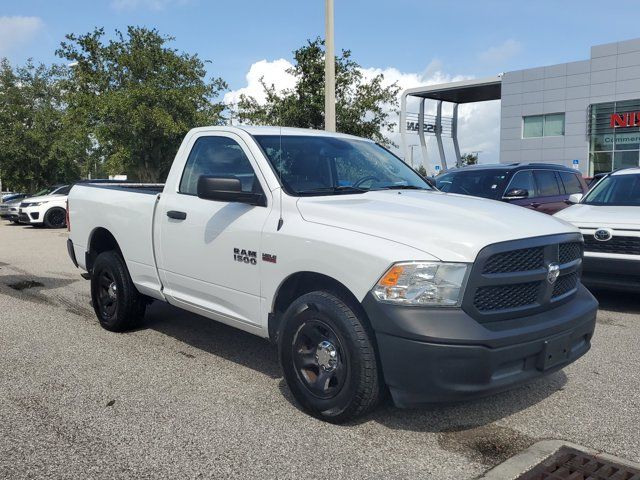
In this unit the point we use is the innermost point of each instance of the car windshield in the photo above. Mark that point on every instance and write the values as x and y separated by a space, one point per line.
319 165
478 183
616 191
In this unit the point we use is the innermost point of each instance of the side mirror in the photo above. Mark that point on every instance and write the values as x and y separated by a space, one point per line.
227 189
516 194
575 198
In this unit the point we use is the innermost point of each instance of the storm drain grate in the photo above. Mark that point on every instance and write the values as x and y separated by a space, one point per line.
570 464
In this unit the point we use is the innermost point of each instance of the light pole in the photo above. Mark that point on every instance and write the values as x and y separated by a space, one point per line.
329 71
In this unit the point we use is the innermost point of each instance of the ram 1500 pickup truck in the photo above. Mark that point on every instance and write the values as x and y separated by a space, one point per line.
365 276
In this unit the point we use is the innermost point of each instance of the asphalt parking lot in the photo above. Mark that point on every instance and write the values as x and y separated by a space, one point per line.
186 397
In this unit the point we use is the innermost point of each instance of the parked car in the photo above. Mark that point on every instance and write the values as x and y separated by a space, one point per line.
48 209
9 210
10 197
609 219
332 247
538 186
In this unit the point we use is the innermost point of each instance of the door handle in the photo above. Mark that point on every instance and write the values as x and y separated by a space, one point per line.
176 215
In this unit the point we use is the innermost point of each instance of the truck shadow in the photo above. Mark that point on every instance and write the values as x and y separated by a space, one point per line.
259 355
616 301
214 338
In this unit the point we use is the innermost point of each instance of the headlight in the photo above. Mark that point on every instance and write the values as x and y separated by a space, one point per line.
37 204
435 284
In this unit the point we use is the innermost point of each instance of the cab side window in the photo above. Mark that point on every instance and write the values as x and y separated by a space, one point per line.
571 183
221 157
523 180
547 183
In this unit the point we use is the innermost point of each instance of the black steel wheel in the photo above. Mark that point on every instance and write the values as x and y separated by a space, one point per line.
328 357
319 359
55 218
116 302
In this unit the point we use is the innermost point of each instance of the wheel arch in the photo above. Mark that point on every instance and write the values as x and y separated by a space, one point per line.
50 209
302 282
100 240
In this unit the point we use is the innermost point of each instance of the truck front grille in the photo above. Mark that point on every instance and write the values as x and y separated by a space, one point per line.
617 244
511 279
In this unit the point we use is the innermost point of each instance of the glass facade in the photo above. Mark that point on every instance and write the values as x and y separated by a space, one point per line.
611 148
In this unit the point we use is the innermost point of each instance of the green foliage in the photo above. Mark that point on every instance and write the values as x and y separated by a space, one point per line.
361 104
36 148
469 159
136 98
422 171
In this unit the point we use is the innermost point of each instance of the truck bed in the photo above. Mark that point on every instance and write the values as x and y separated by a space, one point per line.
126 210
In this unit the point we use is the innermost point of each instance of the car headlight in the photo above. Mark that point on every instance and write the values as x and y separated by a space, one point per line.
435 284
37 204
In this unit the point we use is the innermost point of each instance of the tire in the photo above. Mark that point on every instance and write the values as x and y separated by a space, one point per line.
116 302
55 217
328 357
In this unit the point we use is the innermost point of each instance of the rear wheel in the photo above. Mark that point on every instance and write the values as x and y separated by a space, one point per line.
117 303
328 357
55 218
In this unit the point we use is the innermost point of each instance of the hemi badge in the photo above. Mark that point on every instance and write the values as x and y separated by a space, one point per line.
267 257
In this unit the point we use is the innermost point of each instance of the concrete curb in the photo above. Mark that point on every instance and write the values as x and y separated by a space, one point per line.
539 451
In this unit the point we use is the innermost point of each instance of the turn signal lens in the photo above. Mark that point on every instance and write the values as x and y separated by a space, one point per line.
390 279
423 283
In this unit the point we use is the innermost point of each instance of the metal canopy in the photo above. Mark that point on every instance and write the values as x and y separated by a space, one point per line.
466 91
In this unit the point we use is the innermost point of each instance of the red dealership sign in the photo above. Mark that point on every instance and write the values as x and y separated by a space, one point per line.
628 119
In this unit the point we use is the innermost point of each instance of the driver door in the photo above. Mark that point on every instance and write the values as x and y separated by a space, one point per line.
208 250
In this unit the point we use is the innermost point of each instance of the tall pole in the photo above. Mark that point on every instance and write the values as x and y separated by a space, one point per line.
329 71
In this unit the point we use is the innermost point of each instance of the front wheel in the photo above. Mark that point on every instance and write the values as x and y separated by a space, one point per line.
117 303
55 218
328 357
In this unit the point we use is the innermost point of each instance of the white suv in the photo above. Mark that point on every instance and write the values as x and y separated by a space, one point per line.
49 209
609 219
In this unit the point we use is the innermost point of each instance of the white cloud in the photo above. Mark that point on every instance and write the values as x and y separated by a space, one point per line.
17 31
274 73
501 53
478 123
148 4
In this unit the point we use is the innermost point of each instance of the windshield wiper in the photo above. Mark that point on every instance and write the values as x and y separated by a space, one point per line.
402 187
337 190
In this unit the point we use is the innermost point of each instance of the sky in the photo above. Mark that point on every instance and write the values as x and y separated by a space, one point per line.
413 42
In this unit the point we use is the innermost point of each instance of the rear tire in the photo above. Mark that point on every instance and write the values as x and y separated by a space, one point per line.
116 302
328 357
55 218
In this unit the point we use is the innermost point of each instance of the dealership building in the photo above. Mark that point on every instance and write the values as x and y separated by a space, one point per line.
584 114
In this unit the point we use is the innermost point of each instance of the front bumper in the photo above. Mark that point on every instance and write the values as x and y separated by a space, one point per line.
619 274
29 215
431 355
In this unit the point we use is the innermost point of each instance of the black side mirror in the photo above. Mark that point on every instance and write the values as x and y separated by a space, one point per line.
516 194
227 189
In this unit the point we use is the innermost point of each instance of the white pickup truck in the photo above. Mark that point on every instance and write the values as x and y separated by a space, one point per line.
366 277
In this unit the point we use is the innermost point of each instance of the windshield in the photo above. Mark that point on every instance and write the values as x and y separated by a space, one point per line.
318 165
478 183
616 191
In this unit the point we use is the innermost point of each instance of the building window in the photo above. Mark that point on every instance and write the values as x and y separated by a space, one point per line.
549 125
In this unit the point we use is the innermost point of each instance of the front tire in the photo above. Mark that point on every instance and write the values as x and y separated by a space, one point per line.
55 218
328 357
116 302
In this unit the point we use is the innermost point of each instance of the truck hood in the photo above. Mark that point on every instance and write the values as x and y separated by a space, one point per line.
447 226
601 216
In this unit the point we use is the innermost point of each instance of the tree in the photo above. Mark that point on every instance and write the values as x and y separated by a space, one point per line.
36 148
469 159
363 107
136 98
